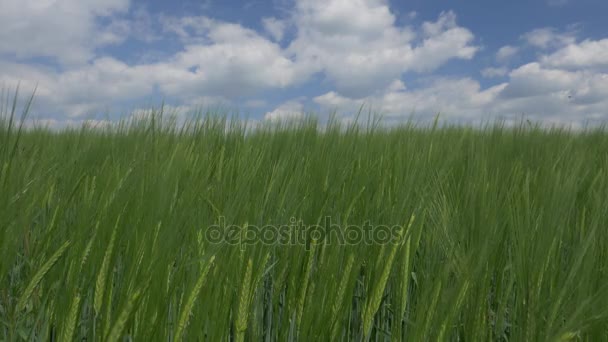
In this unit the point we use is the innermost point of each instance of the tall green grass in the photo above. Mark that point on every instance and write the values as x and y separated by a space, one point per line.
102 232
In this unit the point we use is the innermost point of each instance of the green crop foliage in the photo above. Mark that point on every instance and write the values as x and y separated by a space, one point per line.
107 233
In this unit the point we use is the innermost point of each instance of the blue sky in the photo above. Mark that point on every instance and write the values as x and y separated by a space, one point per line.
470 60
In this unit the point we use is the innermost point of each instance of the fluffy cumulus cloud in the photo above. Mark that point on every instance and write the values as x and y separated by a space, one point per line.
587 54
231 61
548 37
532 80
234 61
443 40
354 43
572 78
275 27
506 52
289 110
82 90
455 99
566 86
358 46
65 30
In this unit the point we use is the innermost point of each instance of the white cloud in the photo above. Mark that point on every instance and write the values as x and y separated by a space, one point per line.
566 87
586 54
66 30
532 80
454 98
396 85
506 52
358 46
28 78
548 37
494 72
81 90
108 79
274 27
334 100
354 43
552 96
580 87
446 21
140 26
572 79
290 110
444 40
234 62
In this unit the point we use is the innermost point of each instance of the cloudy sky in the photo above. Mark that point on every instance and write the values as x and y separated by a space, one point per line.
470 60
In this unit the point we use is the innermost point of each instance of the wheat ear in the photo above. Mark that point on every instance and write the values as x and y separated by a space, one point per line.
39 275
68 331
187 311
123 317
243 311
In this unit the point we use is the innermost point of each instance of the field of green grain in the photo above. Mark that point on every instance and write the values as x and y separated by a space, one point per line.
103 232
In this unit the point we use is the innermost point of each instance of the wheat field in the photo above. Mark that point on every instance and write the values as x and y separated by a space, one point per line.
500 233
